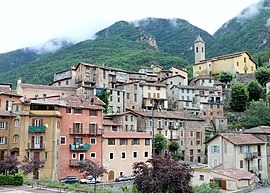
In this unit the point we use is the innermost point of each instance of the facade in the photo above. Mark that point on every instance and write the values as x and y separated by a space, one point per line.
235 63
241 151
10 120
122 149
64 78
80 133
187 130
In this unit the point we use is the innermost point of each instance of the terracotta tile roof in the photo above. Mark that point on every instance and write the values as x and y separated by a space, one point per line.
239 139
110 122
169 115
153 84
10 93
4 113
46 87
169 77
128 135
259 129
235 173
121 114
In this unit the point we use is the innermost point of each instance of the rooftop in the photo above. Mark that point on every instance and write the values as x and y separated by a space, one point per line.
127 135
258 130
235 173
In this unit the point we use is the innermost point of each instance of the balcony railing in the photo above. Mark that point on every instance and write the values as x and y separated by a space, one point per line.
81 131
251 155
75 162
36 129
81 147
40 146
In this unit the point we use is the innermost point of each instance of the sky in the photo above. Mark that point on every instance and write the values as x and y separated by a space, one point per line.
30 23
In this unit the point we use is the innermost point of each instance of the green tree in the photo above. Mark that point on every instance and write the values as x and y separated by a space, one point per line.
225 77
173 147
104 96
262 74
254 90
258 113
239 97
160 143
206 188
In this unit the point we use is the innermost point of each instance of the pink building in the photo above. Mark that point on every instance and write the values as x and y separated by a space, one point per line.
80 133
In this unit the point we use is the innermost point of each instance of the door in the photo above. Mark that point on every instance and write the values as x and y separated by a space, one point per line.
35 171
2 155
111 176
81 156
223 184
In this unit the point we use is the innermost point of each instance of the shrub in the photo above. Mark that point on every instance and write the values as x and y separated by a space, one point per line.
12 179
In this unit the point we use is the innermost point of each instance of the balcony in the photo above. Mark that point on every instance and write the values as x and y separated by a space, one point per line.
81 147
75 162
36 129
173 127
40 146
251 155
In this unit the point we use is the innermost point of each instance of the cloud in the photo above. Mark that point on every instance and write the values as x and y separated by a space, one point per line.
267 24
249 13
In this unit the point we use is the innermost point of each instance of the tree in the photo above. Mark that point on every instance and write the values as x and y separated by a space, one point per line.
91 168
173 147
254 90
206 188
160 143
9 165
104 96
161 175
262 75
239 97
225 77
258 113
32 165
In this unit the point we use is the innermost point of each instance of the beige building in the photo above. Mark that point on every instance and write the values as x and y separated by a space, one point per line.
242 151
230 179
187 130
64 78
121 150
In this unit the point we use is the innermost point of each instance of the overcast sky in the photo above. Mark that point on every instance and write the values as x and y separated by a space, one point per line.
26 23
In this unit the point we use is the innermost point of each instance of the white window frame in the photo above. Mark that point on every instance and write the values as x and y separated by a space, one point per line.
3 125
133 155
125 155
2 140
75 155
213 162
94 153
110 155
37 122
65 140
95 141
16 123
81 154
15 138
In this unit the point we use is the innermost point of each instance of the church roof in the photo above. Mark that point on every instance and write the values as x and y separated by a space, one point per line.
199 39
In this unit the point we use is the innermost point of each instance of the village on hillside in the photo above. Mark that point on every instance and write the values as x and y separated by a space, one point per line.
116 117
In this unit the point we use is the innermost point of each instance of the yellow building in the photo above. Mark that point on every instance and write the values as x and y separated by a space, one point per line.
235 63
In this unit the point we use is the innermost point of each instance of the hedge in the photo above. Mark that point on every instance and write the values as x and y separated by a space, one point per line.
12 179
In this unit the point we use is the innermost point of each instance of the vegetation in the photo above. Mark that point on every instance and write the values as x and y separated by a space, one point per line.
88 167
160 143
173 148
104 96
11 179
207 188
255 90
262 75
32 165
161 175
257 114
9 165
239 97
225 77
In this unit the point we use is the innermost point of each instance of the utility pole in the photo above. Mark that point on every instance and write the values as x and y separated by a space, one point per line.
153 130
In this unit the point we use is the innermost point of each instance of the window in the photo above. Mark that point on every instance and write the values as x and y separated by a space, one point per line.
201 177
135 87
135 154
123 155
191 142
78 111
157 88
111 141
123 141
93 155
74 155
67 82
92 141
149 87
136 142
237 63
46 155
93 112
8 105
150 123
62 140
3 125
16 123
146 154
37 122
93 128
69 110
240 149
126 118
197 49
59 83
118 109
149 95
215 162
2 140
191 134
147 142
16 108
241 164
215 149
15 138
182 142
131 118
135 97
159 124
245 60
111 156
